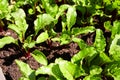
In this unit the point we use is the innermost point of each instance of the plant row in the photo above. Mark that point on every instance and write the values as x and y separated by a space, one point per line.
36 21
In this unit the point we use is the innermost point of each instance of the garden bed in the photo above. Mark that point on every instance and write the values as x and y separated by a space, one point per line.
60 39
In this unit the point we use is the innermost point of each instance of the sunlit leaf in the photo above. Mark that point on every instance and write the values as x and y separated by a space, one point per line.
69 70
42 37
87 52
100 41
84 30
51 69
40 57
42 21
6 40
71 17
115 48
113 69
26 70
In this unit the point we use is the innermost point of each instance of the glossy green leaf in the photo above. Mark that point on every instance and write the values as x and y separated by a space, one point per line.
42 78
64 38
86 52
113 69
69 70
29 43
71 17
26 70
23 78
50 7
84 30
80 42
108 25
42 21
115 29
19 14
94 69
100 41
3 8
115 48
62 8
51 69
40 57
93 77
42 37
6 40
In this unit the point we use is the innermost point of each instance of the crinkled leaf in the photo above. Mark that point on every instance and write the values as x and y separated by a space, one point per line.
69 70
108 25
42 37
115 29
113 69
100 41
115 48
40 57
85 30
71 16
87 52
42 21
94 69
6 40
51 69
26 70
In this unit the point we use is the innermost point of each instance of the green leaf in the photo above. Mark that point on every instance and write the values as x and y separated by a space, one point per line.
84 30
86 52
29 43
108 25
115 48
69 70
51 69
24 78
115 29
19 14
20 25
42 78
26 70
3 8
93 77
15 28
80 42
94 69
113 69
71 17
65 38
62 8
42 37
42 21
6 40
101 59
40 57
50 7
100 41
